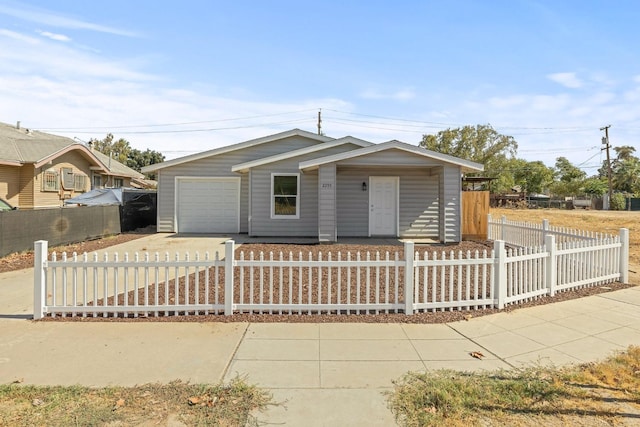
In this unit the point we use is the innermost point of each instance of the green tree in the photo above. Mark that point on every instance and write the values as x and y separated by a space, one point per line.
480 144
596 187
138 159
626 176
625 170
118 149
121 151
568 179
531 177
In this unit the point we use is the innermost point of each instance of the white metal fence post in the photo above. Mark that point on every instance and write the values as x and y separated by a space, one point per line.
409 256
552 264
228 277
545 229
500 273
503 228
624 255
40 249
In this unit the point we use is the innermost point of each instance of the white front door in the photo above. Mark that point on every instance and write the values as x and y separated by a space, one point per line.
383 206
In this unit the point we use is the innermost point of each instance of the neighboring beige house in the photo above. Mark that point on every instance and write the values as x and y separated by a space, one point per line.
40 170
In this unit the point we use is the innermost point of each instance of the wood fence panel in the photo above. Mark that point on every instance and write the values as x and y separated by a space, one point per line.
475 208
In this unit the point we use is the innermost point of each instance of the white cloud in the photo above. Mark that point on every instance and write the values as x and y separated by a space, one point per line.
54 36
18 36
569 80
400 95
49 18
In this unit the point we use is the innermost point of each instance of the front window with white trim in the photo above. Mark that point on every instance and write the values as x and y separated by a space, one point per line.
285 195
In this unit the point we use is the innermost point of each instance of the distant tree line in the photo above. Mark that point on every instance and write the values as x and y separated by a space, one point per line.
121 151
497 152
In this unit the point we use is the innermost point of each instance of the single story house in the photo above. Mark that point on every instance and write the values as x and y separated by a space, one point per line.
297 183
39 170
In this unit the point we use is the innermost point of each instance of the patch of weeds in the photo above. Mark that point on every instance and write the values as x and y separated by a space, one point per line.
232 404
530 396
454 398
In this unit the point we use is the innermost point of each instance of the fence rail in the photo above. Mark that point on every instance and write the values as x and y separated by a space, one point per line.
361 283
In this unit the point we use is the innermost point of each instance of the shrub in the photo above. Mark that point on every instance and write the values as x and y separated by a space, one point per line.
618 202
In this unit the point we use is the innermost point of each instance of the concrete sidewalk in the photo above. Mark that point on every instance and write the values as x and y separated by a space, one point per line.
328 374
335 374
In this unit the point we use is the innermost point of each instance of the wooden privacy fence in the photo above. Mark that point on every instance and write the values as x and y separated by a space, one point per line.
328 284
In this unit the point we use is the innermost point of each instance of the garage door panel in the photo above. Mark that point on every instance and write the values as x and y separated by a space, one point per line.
208 205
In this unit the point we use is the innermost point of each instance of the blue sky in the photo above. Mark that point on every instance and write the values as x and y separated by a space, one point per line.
189 76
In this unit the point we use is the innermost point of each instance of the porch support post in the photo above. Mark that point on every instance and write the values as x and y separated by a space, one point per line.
327 205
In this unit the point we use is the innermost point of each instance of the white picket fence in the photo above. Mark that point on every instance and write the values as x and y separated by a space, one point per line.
328 283
527 234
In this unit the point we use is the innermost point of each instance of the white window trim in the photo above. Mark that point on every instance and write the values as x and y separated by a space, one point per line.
273 196
55 181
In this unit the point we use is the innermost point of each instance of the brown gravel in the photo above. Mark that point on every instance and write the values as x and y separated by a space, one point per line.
301 286
22 260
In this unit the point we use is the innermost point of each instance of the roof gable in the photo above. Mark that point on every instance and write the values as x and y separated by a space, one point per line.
393 145
244 167
238 146
24 146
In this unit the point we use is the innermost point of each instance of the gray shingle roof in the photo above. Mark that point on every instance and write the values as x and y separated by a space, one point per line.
28 146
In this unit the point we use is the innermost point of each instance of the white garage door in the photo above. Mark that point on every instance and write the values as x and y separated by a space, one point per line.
208 205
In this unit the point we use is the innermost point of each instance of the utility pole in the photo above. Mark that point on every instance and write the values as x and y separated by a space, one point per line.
605 141
320 121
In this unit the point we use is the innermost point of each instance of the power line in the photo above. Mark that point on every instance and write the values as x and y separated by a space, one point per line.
178 124
206 129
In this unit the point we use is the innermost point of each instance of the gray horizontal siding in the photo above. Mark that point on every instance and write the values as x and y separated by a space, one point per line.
219 166
450 208
327 200
261 222
307 224
353 203
390 158
419 213
419 205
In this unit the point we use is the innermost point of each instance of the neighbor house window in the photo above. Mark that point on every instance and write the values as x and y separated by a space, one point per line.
68 180
50 181
97 181
80 182
285 195
118 182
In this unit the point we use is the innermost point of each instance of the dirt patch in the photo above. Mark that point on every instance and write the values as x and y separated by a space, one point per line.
22 260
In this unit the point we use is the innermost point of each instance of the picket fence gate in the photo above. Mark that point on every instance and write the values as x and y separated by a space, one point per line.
368 283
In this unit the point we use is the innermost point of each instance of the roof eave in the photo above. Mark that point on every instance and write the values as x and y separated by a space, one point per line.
245 167
234 147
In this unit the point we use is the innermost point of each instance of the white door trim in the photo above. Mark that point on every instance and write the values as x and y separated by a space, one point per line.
203 178
396 180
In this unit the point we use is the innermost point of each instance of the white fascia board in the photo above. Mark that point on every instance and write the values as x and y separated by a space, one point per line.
234 147
244 167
